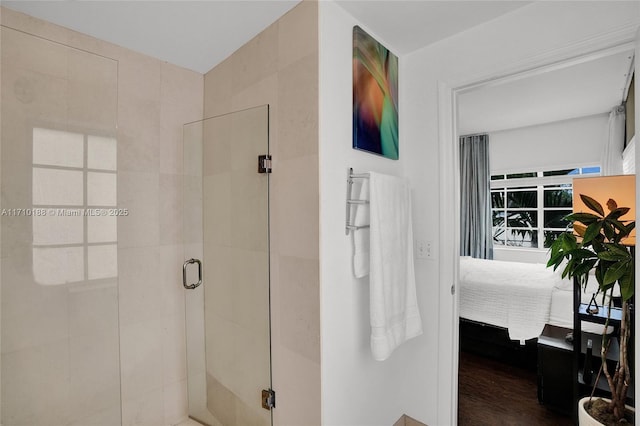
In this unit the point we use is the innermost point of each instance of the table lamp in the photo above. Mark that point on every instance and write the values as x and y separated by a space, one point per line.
620 188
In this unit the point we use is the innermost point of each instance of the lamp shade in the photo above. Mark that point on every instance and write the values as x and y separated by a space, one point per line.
621 189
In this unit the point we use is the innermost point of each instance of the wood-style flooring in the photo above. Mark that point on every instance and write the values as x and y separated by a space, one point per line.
492 393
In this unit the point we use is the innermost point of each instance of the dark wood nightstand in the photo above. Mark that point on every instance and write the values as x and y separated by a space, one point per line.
555 369
560 367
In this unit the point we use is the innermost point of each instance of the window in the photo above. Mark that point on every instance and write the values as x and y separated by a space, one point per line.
528 208
74 186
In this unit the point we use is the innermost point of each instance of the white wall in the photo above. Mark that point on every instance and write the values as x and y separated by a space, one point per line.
551 146
356 390
417 379
511 254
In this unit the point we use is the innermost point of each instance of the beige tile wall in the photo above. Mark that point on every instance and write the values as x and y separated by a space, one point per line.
279 67
154 100
53 335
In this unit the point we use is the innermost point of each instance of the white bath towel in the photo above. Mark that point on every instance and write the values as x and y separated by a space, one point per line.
393 304
361 236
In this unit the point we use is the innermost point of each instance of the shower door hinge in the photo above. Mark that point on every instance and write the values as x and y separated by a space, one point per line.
264 163
268 399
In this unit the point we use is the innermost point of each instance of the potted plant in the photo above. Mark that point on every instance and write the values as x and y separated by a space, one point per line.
598 243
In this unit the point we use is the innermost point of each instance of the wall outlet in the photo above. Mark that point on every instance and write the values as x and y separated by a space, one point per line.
424 249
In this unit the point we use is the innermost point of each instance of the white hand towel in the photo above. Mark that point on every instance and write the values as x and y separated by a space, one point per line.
393 304
361 236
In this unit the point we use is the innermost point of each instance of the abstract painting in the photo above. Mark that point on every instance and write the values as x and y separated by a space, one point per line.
375 96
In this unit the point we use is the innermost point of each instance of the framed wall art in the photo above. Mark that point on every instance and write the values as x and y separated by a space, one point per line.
375 96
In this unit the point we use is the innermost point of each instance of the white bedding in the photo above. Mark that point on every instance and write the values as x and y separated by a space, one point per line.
515 296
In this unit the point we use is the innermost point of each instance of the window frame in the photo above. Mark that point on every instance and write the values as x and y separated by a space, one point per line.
540 183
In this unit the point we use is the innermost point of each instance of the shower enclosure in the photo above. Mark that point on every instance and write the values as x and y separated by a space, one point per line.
59 270
66 194
226 227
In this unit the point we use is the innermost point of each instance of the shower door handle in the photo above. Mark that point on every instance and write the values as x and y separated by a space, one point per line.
184 274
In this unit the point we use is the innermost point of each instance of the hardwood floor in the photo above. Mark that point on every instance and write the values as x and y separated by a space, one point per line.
492 393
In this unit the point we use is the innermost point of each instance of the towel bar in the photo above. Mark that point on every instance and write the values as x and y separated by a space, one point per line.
358 175
351 201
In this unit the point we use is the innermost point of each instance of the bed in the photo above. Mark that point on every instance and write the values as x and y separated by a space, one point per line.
519 297
504 307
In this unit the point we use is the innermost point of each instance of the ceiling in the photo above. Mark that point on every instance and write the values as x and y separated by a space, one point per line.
408 25
591 87
196 35
200 34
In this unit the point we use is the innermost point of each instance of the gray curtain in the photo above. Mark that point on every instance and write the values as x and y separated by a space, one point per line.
476 239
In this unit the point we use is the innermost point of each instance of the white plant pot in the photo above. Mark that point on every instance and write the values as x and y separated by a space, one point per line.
585 419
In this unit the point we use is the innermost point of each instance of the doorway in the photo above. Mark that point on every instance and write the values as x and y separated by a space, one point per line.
510 128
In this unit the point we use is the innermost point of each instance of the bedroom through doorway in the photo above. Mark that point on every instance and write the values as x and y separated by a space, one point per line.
535 131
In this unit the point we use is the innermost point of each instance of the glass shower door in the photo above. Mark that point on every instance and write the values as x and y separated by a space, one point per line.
226 226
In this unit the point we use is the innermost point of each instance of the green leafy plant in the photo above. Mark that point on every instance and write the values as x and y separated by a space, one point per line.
598 243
